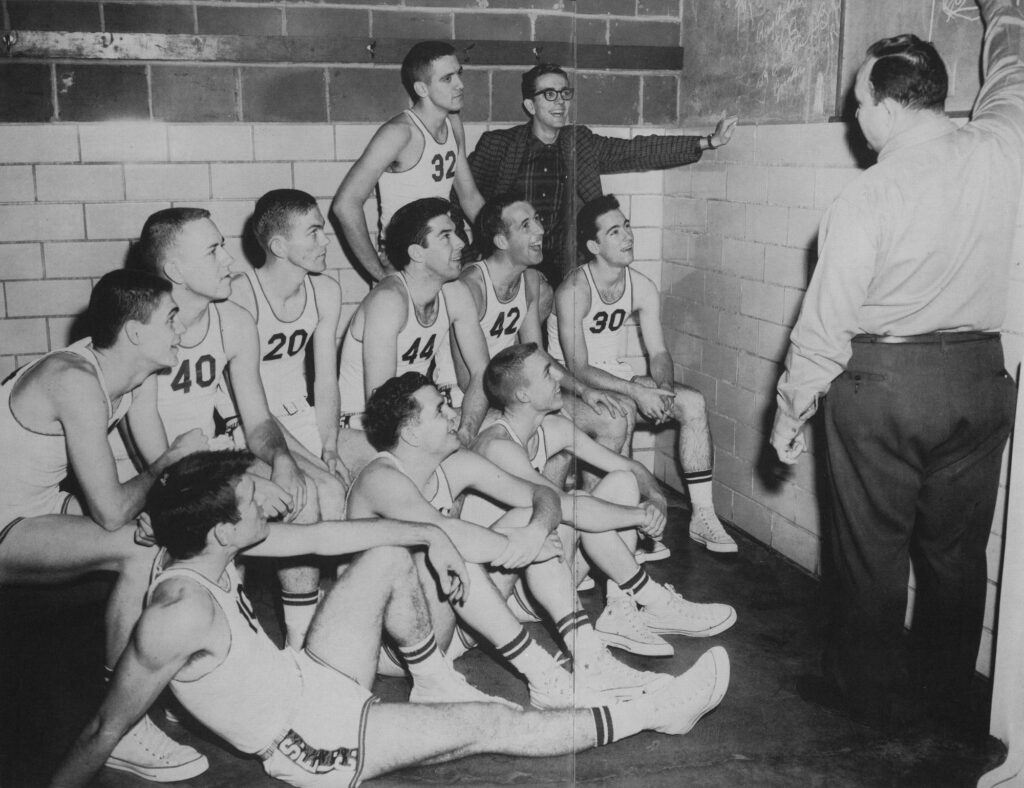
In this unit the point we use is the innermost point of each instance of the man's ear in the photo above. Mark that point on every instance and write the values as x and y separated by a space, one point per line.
409 434
420 89
530 107
222 533
172 271
501 241
416 252
522 396
593 247
278 247
132 330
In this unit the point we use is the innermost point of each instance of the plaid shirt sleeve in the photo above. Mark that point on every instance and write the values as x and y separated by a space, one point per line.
648 152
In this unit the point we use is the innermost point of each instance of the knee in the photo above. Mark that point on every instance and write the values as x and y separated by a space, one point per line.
690 404
389 560
619 487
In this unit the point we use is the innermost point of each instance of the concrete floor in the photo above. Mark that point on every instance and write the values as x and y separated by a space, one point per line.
763 734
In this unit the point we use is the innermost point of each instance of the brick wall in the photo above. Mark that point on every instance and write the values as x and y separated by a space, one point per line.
739 241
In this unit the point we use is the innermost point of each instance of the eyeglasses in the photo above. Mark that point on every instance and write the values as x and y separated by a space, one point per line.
550 94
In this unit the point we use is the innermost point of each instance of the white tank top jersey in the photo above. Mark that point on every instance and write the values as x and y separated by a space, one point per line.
186 395
283 346
432 176
479 510
603 329
417 346
33 464
502 319
248 698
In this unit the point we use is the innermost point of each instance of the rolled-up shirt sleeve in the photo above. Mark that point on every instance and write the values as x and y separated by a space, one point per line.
829 318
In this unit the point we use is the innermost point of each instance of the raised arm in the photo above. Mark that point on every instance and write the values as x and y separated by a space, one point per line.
356 187
1000 104
325 367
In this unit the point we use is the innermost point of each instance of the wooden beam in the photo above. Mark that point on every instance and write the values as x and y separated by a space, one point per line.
49 45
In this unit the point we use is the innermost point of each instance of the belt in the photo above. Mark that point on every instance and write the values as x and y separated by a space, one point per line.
937 338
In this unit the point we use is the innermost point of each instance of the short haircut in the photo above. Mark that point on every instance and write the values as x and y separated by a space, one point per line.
275 211
504 374
194 495
490 222
909 71
159 233
120 296
390 407
529 83
419 61
586 221
411 225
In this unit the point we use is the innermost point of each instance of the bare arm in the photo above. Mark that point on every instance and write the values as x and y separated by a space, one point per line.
473 347
263 434
356 536
465 186
355 188
648 305
169 632
325 366
385 312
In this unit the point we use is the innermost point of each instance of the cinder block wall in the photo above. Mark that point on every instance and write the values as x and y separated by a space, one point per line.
739 244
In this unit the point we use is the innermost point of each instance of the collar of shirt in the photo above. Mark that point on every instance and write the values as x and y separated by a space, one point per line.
929 126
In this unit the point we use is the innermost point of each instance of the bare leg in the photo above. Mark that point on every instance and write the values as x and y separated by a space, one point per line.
60 548
694 444
379 590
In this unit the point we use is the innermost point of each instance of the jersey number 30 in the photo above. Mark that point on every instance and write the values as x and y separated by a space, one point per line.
613 322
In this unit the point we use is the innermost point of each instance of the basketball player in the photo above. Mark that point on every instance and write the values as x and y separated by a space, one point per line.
55 417
606 291
310 716
421 152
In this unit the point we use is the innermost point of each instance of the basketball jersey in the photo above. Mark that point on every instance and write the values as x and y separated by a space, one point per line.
282 348
502 319
417 347
248 698
479 510
433 175
33 464
441 499
603 329
187 393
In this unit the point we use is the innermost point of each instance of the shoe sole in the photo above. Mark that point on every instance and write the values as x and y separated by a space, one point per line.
706 633
715 547
162 774
722 674
642 557
633 647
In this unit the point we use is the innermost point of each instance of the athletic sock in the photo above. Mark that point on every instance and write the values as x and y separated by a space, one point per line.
299 609
424 658
526 656
577 633
642 587
613 723
698 485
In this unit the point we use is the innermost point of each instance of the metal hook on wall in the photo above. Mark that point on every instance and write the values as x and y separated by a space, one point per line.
372 48
8 40
537 50
465 52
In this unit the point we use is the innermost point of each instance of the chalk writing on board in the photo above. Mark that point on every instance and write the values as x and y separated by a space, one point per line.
760 59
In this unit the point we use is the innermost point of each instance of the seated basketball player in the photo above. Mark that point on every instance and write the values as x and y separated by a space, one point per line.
310 715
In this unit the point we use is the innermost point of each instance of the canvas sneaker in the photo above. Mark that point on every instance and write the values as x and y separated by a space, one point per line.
620 626
148 752
673 615
680 703
450 686
599 670
649 549
707 529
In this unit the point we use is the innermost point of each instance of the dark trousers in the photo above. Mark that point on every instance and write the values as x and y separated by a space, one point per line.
915 435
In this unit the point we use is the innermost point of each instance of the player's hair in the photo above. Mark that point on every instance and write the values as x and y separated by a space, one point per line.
529 81
159 233
418 62
490 222
390 407
275 211
411 225
192 496
586 221
909 71
120 296
504 374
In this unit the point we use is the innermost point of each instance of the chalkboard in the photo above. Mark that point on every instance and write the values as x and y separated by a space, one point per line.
954 26
764 60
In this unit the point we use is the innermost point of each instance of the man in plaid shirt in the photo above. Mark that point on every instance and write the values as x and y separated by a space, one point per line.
559 172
